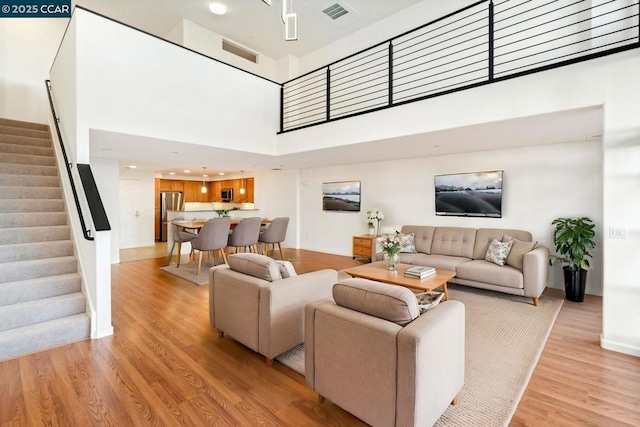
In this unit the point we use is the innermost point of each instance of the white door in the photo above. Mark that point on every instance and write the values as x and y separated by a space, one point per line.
129 213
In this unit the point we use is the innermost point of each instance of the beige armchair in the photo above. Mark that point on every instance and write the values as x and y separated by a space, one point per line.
375 356
250 301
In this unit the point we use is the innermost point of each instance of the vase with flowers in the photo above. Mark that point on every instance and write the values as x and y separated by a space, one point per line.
390 244
373 220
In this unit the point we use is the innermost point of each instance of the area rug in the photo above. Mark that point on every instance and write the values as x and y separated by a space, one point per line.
189 273
505 336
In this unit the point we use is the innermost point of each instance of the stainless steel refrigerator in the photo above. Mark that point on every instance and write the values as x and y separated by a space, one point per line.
169 201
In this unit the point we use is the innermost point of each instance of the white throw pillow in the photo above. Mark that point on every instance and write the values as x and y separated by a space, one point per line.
498 252
407 243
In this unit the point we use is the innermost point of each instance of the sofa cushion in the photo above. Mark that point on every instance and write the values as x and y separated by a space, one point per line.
518 250
498 252
488 272
442 262
255 265
486 235
453 241
393 303
407 243
422 235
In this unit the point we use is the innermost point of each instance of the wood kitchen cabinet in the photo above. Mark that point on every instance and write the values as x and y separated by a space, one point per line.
216 191
191 190
165 184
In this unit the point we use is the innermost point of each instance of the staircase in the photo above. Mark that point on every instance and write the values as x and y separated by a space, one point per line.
41 304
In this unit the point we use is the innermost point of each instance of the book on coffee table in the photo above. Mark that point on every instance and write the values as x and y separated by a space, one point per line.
419 272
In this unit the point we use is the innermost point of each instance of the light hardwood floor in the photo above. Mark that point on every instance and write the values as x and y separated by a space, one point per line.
165 365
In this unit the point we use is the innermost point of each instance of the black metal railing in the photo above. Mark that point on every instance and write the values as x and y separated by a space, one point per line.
482 43
98 214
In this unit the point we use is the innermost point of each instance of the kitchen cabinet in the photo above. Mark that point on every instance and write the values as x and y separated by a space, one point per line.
247 184
177 185
216 189
191 190
165 184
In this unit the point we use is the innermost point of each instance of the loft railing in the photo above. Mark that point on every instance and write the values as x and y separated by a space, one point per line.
482 43
98 214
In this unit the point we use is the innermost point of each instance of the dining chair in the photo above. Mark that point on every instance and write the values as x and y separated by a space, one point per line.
245 235
275 234
179 236
212 237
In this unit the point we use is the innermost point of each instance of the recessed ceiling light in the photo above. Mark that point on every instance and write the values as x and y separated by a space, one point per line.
187 171
221 173
205 175
218 8
131 166
172 173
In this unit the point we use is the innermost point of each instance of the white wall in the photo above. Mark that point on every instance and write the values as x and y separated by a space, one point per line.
205 41
27 49
116 63
541 183
107 176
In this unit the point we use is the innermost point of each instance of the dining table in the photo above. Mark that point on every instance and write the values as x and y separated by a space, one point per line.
197 224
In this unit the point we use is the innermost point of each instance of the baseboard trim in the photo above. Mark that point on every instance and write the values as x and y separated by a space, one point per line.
619 347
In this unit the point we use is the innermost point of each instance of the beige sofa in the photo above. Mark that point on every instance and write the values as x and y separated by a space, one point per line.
372 354
250 301
463 250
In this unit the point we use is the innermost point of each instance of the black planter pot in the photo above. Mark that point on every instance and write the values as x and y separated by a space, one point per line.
575 282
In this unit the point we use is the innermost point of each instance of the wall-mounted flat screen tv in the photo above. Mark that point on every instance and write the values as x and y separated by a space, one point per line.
341 196
469 194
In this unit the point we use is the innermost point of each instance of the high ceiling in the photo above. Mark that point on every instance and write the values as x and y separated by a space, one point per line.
252 23
258 26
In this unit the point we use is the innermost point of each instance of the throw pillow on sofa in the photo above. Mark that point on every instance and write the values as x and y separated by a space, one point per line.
498 252
286 269
407 243
518 250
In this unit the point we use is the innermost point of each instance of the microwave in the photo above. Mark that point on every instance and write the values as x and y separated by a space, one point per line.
227 194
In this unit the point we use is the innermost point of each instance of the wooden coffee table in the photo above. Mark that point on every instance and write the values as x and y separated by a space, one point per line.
378 271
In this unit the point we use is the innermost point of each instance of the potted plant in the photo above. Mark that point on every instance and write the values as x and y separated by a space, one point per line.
573 239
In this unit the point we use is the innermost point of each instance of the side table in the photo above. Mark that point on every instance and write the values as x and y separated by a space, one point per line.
364 246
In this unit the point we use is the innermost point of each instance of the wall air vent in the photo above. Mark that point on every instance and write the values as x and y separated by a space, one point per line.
239 51
336 11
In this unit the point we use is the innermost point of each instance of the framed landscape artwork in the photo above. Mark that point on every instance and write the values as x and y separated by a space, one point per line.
477 194
341 196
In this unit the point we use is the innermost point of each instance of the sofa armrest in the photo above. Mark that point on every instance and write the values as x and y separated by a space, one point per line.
309 339
212 311
281 323
535 271
431 364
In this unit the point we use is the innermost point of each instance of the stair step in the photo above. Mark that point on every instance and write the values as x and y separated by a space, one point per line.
19 131
28 339
21 169
25 159
33 269
26 149
25 141
8 180
41 310
21 124
32 205
16 235
37 250
36 219
30 193
43 287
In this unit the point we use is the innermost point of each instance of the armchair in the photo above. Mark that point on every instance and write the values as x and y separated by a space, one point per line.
372 354
250 301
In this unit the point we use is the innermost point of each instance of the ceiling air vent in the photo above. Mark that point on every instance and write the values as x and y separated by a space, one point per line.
239 51
336 11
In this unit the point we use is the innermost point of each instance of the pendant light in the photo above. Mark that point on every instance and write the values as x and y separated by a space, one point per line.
204 186
242 182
